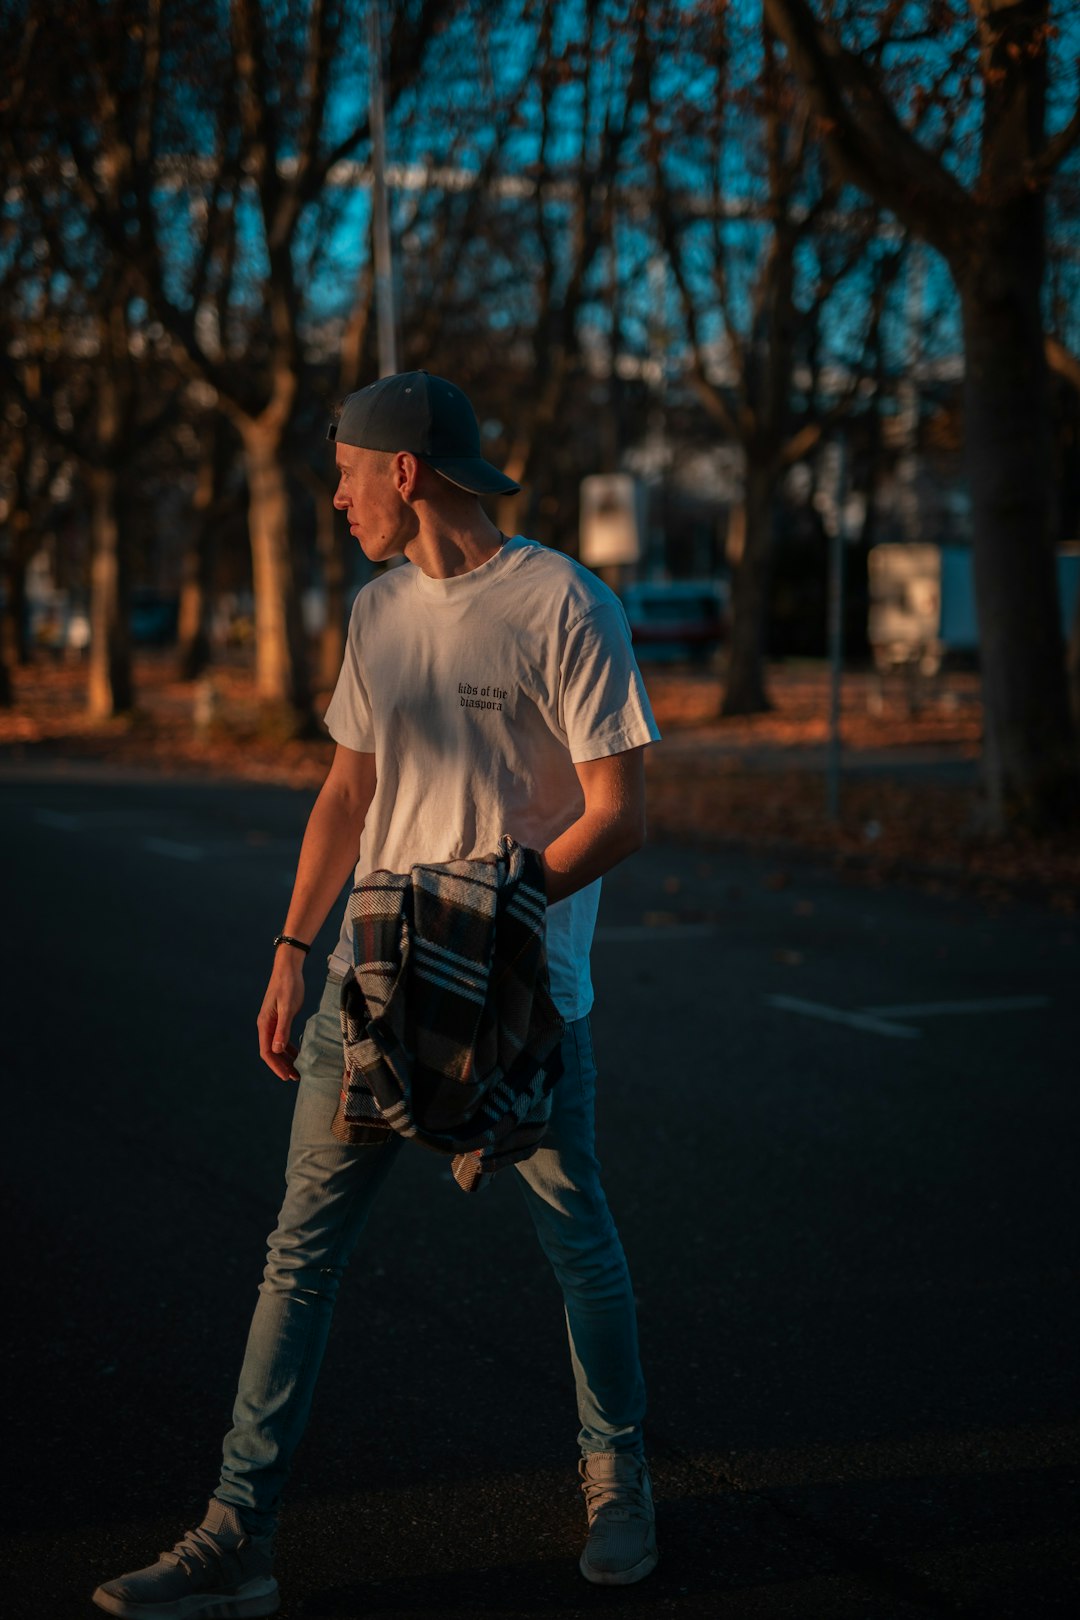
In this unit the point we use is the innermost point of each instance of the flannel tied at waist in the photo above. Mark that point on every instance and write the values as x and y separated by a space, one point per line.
451 1036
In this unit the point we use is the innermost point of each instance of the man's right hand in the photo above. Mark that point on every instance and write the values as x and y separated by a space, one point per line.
283 1000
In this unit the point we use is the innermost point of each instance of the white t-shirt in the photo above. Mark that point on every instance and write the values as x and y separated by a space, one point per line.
477 695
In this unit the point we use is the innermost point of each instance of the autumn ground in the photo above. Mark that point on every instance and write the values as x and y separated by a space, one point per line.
908 800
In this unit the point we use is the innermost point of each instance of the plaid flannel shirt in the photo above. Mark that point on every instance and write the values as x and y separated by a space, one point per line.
451 1036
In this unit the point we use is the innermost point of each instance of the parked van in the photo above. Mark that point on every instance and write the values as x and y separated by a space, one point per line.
673 619
922 602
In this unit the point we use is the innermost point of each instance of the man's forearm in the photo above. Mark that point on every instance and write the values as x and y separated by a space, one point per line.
328 854
588 848
611 826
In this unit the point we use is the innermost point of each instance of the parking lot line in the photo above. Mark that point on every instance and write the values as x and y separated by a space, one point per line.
838 1015
178 852
934 1009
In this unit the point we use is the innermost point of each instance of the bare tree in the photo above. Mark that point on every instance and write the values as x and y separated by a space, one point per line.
567 237
758 273
503 269
91 381
80 359
1063 358
25 467
28 460
989 225
214 460
200 146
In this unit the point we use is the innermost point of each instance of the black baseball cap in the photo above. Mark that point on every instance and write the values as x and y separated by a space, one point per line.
429 417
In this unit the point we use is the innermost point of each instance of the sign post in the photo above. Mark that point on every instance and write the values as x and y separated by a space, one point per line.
836 630
386 314
838 508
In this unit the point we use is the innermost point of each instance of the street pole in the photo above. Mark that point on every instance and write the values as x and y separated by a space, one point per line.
386 314
836 624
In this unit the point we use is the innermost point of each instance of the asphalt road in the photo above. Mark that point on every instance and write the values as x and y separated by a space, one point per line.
839 1129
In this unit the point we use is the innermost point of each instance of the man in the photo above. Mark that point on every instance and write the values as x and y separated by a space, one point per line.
489 688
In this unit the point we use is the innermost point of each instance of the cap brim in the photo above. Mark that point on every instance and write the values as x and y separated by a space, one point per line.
473 473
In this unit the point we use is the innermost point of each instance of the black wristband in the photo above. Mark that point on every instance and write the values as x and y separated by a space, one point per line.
287 939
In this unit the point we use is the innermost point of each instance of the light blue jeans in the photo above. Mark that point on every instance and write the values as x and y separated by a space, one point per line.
330 1189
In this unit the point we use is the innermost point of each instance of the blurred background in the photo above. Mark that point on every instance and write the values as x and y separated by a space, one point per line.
774 312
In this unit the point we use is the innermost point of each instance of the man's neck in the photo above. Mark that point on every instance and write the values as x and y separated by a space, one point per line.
444 550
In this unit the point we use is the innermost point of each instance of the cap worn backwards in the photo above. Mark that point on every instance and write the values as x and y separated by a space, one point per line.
429 417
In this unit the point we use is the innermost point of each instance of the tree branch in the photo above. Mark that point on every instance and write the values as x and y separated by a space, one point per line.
810 433
1062 361
866 141
1042 170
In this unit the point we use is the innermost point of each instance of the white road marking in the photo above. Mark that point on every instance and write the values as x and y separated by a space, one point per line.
837 1015
933 1009
177 852
57 819
624 933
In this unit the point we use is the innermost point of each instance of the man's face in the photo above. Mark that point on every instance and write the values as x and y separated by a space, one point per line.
367 494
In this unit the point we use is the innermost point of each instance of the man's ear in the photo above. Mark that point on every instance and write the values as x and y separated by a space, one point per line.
406 473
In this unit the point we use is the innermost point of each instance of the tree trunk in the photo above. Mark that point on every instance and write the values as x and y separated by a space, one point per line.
8 658
1029 756
332 561
111 688
13 648
281 676
22 550
745 691
512 511
1073 663
196 589
509 511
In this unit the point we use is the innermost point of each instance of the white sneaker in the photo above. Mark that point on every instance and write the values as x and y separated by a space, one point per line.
621 1547
216 1570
